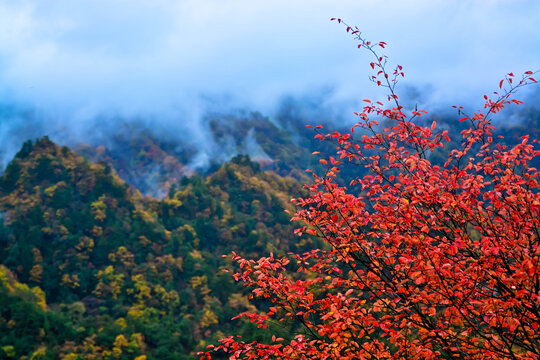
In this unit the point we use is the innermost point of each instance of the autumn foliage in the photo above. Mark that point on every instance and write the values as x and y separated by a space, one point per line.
421 261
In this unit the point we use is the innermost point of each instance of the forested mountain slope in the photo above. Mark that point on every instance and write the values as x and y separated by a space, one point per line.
125 276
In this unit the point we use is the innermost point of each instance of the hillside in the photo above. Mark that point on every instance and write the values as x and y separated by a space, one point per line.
132 276
152 160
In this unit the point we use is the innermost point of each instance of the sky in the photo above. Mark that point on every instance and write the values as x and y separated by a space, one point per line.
79 58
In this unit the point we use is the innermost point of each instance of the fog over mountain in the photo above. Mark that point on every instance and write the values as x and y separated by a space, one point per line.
73 69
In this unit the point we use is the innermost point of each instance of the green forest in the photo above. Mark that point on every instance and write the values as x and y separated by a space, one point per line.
91 269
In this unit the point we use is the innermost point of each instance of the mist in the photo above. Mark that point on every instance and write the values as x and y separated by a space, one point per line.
76 70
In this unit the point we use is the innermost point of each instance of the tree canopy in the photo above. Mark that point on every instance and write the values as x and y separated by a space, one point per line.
420 260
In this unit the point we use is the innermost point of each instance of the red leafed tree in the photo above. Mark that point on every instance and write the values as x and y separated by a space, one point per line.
421 261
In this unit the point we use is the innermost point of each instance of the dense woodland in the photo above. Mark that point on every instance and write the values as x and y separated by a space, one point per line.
92 269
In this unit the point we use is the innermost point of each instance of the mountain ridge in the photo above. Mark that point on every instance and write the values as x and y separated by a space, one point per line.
115 265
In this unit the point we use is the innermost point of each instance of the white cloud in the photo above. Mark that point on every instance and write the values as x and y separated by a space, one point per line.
152 55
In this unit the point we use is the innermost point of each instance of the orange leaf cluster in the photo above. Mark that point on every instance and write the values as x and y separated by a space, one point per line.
421 261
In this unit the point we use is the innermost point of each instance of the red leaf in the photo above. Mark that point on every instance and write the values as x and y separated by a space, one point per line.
422 256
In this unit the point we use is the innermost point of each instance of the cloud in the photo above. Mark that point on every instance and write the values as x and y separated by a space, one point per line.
84 57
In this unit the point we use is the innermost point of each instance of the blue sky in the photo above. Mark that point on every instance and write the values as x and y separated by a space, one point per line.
82 57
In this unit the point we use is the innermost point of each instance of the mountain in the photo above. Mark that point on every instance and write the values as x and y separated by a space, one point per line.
129 275
152 161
